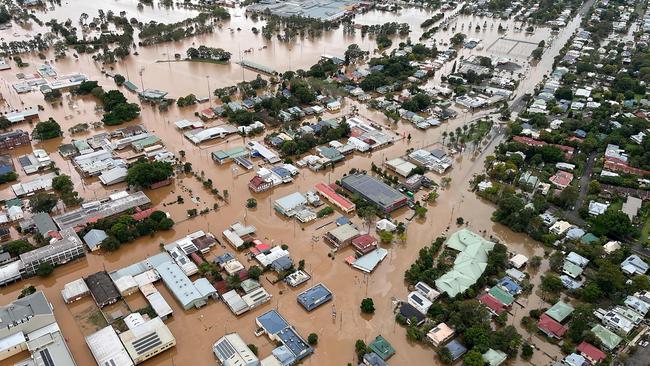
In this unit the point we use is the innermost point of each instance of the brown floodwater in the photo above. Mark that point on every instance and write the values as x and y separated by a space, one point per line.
197 330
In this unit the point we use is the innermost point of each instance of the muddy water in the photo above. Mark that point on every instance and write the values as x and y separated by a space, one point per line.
197 330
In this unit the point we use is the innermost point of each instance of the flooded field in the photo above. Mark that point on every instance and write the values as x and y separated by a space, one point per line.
196 330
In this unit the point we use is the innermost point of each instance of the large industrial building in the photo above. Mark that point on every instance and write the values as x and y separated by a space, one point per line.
385 197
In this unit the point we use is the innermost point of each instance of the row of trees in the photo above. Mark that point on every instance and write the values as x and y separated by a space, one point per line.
117 109
125 228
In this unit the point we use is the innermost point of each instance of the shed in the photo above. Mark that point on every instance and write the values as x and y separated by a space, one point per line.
74 290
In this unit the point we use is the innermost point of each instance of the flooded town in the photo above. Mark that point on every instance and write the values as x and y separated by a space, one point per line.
324 182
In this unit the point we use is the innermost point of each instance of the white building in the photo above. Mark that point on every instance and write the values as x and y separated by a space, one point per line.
107 349
231 350
148 339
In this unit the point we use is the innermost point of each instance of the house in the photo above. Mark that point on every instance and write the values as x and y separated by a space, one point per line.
232 350
412 315
560 311
494 357
456 349
364 244
518 261
385 225
381 347
341 236
631 207
494 306
509 285
634 265
440 334
314 297
418 301
368 262
607 338
426 291
560 227
591 353
561 179
551 327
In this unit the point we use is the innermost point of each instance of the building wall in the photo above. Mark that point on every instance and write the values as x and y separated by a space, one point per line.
160 349
36 322
13 351
56 259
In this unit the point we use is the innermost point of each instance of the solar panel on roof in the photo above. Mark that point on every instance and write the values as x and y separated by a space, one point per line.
47 358
146 343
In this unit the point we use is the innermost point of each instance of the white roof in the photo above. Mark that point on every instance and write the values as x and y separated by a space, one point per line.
159 305
12 341
74 289
125 283
518 260
236 304
107 348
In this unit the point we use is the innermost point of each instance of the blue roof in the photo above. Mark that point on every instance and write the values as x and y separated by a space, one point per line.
272 322
314 297
510 285
456 349
294 342
227 256
4 169
282 172
342 221
282 264
373 359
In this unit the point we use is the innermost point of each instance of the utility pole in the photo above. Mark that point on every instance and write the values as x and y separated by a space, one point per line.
207 77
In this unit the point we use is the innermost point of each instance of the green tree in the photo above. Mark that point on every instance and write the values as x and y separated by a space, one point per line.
551 283
421 212
110 244
18 247
386 237
253 349
43 202
445 355
119 79
27 291
47 130
251 203
44 270
254 272
527 351
312 339
145 174
473 358
613 223
591 293
367 306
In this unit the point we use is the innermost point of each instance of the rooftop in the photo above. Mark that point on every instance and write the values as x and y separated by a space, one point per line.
314 297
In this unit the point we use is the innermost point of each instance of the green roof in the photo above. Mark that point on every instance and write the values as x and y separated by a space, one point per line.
503 297
129 85
14 202
608 338
382 348
589 238
145 142
232 153
560 311
571 269
469 264
494 357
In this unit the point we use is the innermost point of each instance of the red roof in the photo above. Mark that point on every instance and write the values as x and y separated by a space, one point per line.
621 166
334 197
551 326
208 113
262 247
561 178
492 303
138 216
364 243
591 352
221 286
528 141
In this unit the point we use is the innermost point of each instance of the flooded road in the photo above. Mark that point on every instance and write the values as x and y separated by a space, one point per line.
197 330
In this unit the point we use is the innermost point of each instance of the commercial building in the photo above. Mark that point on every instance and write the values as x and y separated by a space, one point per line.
11 139
231 350
279 330
341 236
385 197
329 193
187 293
368 262
147 339
469 263
59 251
107 207
28 324
291 204
314 297
102 289
39 183
107 349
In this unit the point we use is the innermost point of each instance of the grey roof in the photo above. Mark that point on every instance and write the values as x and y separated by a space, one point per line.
375 190
179 284
44 223
456 349
69 241
94 237
99 209
28 306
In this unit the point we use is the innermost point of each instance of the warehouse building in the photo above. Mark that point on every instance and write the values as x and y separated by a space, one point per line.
385 197
107 349
231 350
185 291
147 339
102 289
